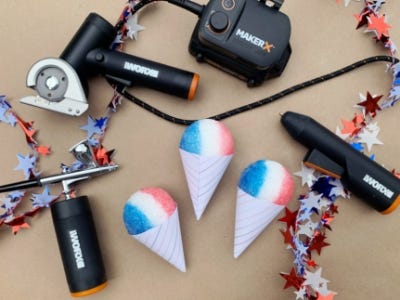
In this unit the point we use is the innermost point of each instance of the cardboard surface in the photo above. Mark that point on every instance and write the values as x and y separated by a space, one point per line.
362 261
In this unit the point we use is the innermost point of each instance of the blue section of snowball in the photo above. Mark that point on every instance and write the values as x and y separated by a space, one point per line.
135 221
253 177
191 139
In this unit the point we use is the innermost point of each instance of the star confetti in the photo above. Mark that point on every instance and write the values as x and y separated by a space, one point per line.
318 208
349 128
17 223
370 104
369 138
44 199
306 174
128 22
314 280
92 128
28 165
376 24
306 234
289 218
133 27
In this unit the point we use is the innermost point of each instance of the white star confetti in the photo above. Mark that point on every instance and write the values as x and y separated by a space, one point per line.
133 27
315 280
307 175
369 138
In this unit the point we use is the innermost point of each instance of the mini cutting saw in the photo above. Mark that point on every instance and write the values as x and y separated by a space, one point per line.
61 83
58 86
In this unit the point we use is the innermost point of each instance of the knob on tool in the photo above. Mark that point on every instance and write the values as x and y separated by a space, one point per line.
61 82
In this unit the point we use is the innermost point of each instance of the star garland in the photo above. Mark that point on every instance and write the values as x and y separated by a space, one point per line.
28 164
305 231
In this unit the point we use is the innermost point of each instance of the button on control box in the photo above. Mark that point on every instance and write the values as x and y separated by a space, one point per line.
246 38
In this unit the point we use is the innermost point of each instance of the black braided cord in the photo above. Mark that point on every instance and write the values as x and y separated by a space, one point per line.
122 91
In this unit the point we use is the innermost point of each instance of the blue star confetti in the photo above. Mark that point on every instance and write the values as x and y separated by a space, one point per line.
28 165
92 128
44 199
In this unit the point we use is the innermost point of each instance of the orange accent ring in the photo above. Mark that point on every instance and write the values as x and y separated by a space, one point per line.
322 170
392 207
90 291
193 86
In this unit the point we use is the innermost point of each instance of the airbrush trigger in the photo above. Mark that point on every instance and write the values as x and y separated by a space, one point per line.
58 86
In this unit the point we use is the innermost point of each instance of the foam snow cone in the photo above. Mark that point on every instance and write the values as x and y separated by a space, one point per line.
206 149
151 217
264 189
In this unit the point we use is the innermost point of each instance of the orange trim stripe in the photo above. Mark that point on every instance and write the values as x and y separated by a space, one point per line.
193 86
90 291
392 207
322 170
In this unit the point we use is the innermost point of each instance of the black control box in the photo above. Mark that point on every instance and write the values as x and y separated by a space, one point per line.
246 38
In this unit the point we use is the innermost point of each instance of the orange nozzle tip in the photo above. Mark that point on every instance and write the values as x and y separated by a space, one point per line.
193 86
89 291
392 207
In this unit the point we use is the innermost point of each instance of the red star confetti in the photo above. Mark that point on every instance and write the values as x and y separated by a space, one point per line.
329 296
103 157
349 128
292 280
43 150
370 104
27 128
378 25
318 242
397 174
17 223
289 218
288 236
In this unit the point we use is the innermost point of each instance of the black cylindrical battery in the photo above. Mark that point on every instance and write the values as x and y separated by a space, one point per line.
95 32
79 246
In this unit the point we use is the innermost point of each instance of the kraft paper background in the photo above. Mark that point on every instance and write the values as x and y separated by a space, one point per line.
363 259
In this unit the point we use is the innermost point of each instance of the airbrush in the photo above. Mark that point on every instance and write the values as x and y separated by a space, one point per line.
61 83
73 222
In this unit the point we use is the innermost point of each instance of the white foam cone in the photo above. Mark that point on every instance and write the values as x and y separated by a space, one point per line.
203 173
166 241
252 217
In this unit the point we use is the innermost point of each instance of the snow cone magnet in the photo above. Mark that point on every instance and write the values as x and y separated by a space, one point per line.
151 217
206 149
264 189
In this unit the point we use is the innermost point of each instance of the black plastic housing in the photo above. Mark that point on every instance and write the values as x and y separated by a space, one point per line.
88 53
245 38
95 32
79 246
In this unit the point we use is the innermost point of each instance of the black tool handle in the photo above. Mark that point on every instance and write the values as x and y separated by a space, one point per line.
94 32
21 185
79 246
132 70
